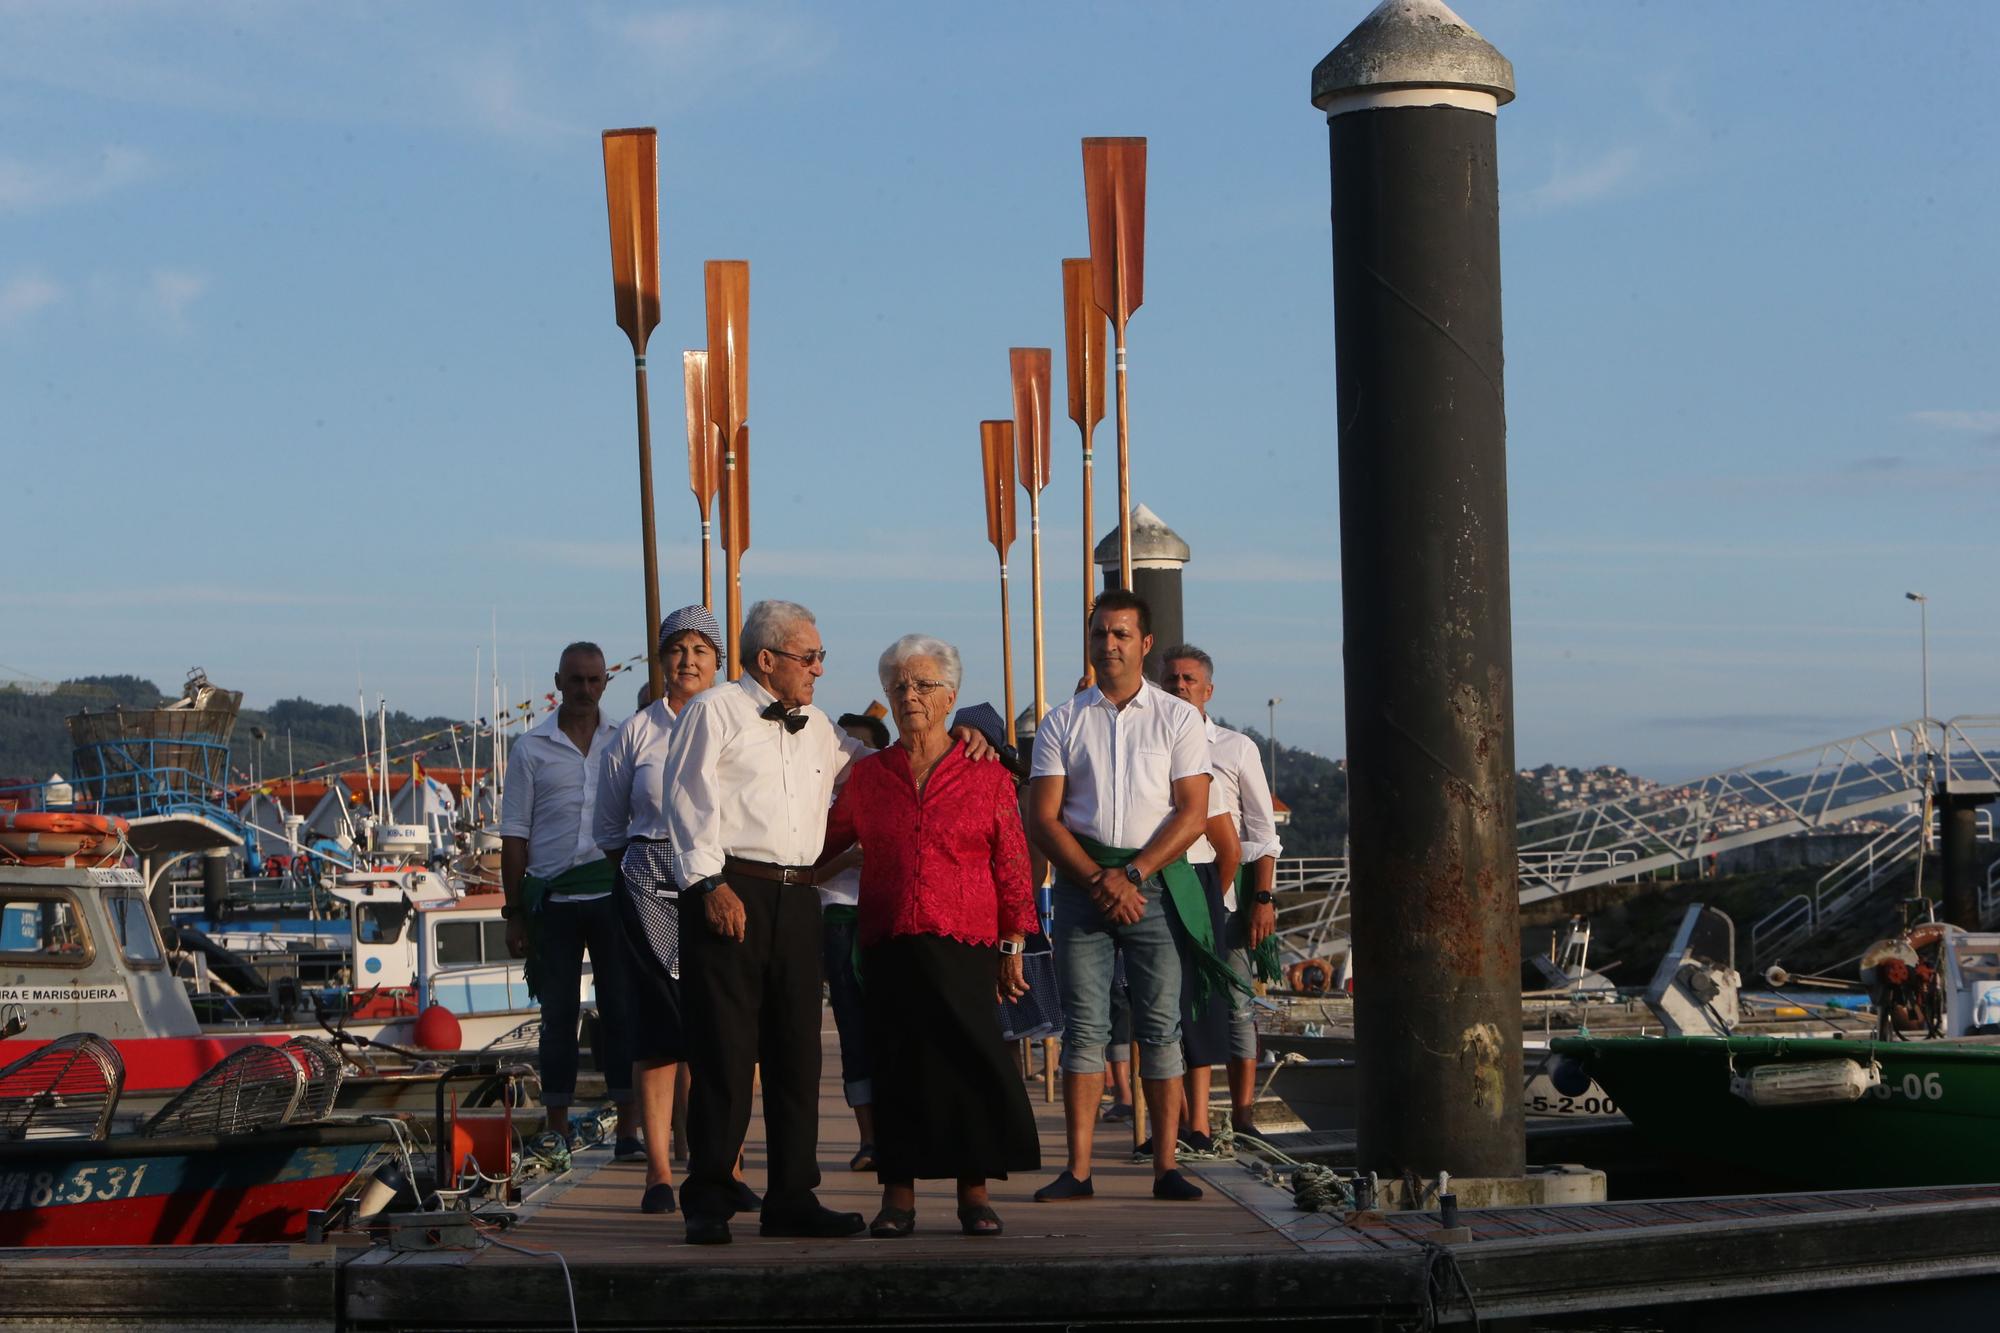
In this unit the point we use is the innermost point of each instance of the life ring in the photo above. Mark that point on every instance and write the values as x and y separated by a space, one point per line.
59 821
1311 976
57 844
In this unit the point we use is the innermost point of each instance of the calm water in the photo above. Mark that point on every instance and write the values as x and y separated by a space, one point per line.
1964 1303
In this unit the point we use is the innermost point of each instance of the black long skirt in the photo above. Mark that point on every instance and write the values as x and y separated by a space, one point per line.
949 1102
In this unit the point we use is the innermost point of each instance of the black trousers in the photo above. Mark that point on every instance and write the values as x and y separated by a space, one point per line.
757 1002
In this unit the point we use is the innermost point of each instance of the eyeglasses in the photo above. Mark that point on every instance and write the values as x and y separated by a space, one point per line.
923 689
816 655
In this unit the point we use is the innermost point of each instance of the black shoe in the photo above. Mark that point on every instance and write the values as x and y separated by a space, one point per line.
815 1222
1175 1186
708 1231
1065 1188
628 1150
746 1198
657 1199
893 1223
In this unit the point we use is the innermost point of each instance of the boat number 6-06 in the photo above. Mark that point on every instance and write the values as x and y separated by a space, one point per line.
1928 1088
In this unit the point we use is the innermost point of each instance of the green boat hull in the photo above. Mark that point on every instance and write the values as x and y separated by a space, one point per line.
1935 1120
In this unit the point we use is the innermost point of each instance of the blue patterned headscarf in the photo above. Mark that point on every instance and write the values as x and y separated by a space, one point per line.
696 617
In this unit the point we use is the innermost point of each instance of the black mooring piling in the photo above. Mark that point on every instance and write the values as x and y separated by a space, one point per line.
1410 98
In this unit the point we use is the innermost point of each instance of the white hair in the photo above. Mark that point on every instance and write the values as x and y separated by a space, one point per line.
921 645
770 624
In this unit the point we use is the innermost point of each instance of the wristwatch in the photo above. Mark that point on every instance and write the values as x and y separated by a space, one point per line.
1263 898
1132 873
706 884
1013 948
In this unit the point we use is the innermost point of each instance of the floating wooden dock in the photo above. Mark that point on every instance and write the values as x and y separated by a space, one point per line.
1243 1253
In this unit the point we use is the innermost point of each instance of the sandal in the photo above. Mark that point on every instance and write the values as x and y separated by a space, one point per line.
864 1160
893 1223
978 1219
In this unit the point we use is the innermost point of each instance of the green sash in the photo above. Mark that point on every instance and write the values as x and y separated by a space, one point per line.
1264 958
1190 904
595 876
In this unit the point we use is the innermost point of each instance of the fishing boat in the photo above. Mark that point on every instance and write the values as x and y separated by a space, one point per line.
237 1156
1916 1103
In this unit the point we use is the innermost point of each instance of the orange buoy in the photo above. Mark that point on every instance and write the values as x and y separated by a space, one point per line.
437 1029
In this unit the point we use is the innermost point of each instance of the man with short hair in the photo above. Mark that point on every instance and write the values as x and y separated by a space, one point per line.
558 888
1118 790
1242 831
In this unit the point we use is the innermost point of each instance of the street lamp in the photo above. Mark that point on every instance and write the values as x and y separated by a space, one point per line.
1271 734
1924 624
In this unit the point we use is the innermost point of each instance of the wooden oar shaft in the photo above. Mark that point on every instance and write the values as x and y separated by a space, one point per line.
1124 474
1007 652
1035 597
732 577
655 670
707 568
1089 558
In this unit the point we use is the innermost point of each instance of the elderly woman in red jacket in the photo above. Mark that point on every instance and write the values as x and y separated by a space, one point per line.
945 904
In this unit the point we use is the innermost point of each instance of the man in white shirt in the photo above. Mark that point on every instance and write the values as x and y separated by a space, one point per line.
558 888
1118 790
749 775
1243 831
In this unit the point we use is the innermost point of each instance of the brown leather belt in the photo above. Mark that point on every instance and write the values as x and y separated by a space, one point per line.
777 874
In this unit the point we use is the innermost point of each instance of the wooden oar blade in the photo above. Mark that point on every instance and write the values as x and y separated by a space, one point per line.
736 494
1114 190
1083 343
704 459
728 283
1030 366
996 448
632 195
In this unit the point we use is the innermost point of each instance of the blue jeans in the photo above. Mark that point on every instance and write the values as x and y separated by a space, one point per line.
1086 947
844 993
569 930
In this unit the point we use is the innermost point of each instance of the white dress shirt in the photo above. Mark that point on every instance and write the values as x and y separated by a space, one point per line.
551 790
1238 788
742 785
631 803
1120 763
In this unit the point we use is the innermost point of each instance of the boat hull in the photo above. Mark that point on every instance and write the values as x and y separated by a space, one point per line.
210 1190
1934 1120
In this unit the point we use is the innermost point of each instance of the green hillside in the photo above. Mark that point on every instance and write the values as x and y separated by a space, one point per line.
34 740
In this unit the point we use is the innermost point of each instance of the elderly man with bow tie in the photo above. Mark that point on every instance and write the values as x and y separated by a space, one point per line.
751 772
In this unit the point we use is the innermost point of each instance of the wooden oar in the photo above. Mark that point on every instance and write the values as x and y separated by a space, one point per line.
728 404
996 451
1114 189
632 197
1083 340
704 459
1030 366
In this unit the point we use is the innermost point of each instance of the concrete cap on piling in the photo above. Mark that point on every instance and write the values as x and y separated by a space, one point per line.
1412 44
1154 544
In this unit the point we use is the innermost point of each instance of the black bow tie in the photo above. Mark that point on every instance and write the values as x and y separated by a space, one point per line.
793 722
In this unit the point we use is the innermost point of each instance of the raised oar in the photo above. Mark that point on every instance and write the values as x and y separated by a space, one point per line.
1114 189
1030 366
1083 340
728 282
704 458
632 196
996 451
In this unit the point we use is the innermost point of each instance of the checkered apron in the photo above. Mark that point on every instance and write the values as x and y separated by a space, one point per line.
653 894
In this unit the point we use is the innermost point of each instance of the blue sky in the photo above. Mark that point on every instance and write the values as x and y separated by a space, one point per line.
307 359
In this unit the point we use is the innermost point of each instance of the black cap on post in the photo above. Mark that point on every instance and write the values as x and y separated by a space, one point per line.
1410 97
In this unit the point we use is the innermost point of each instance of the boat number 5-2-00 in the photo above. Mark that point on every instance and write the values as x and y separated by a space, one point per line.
1928 1088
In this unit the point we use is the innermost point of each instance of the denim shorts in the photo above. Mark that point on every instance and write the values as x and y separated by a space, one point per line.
1087 946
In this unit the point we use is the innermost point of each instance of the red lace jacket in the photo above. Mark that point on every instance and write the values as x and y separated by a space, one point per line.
950 861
